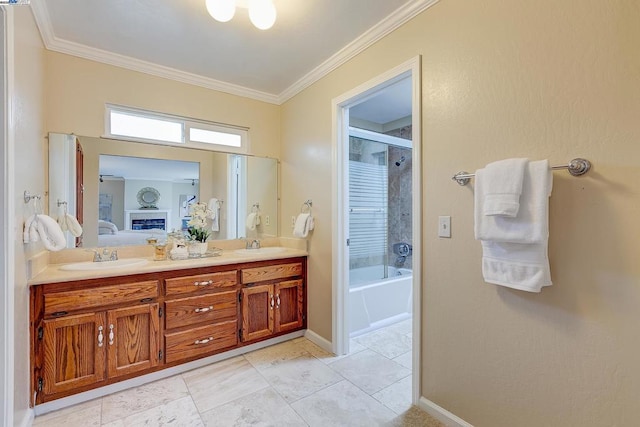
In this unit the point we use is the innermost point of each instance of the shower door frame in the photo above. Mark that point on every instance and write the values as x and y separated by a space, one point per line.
387 141
340 195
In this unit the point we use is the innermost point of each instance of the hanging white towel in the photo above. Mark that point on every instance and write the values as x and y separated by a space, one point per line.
304 224
45 228
516 265
69 223
514 250
251 221
214 207
502 187
531 225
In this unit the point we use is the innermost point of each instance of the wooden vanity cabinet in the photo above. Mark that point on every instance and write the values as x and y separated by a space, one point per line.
90 333
72 356
272 300
87 335
201 315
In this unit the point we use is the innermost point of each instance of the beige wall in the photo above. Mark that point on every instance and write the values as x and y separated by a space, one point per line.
77 90
28 114
505 79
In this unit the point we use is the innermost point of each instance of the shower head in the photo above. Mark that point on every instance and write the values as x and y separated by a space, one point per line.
401 161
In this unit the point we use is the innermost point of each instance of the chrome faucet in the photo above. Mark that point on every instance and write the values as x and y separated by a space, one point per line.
253 244
105 255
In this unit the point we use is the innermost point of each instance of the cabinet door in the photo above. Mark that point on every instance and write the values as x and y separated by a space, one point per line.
258 304
289 305
132 339
74 352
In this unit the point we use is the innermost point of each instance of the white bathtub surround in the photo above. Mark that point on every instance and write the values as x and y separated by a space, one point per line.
374 302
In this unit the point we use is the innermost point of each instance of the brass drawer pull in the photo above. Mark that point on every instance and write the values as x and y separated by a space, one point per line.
203 309
203 283
204 341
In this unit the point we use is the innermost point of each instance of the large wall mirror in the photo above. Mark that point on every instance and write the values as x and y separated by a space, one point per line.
124 192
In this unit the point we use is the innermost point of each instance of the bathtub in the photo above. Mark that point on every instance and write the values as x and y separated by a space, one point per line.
375 303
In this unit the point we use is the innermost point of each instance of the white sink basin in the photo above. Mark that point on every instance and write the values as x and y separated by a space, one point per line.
105 265
261 251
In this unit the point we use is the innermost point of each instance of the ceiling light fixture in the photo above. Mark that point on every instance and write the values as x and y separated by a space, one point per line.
262 13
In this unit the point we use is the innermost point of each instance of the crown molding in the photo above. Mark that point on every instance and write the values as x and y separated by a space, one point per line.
375 33
56 44
365 40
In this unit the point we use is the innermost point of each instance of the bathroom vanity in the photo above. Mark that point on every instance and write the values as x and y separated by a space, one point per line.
92 330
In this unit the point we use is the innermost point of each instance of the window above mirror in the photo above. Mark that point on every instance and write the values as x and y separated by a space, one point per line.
139 125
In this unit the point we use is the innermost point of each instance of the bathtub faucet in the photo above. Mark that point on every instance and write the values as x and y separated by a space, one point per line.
400 262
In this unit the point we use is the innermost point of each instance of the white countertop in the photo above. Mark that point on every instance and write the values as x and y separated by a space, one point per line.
53 274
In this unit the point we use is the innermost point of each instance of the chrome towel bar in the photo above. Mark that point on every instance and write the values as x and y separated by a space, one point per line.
576 167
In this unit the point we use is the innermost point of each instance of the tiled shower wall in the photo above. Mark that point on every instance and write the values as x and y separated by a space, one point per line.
400 195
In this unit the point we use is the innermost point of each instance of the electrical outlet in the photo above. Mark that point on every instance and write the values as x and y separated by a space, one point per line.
444 226
267 221
293 221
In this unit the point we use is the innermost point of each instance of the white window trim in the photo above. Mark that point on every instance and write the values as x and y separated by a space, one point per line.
187 124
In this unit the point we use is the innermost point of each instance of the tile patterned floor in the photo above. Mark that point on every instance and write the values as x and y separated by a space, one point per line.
295 383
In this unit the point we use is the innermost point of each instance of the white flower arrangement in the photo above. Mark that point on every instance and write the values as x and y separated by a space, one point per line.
197 225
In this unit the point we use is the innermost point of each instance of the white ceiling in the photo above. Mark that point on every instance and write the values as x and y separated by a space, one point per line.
178 39
388 104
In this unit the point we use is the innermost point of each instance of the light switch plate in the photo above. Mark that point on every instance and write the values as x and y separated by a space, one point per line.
444 226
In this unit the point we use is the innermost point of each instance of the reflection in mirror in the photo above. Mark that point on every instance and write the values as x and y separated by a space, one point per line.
141 197
236 182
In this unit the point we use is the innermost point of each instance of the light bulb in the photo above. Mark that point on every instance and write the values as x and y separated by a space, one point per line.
262 13
221 10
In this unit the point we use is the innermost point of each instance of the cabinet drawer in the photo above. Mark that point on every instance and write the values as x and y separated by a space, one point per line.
271 272
181 285
202 340
205 308
95 297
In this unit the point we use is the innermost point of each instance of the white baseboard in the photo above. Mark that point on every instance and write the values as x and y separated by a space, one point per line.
319 341
27 419
441 414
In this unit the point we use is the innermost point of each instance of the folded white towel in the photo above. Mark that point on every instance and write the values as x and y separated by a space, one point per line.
514 250
502 186
69 223
304 224
515 265
251 221
214 207
45 228
531 225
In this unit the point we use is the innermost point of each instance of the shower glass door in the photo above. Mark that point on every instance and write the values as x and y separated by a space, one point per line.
368 211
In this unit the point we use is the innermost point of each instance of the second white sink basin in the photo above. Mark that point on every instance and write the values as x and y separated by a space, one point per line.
105 265
261 251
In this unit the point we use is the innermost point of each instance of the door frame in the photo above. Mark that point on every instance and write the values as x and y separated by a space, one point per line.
7 205
340 154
